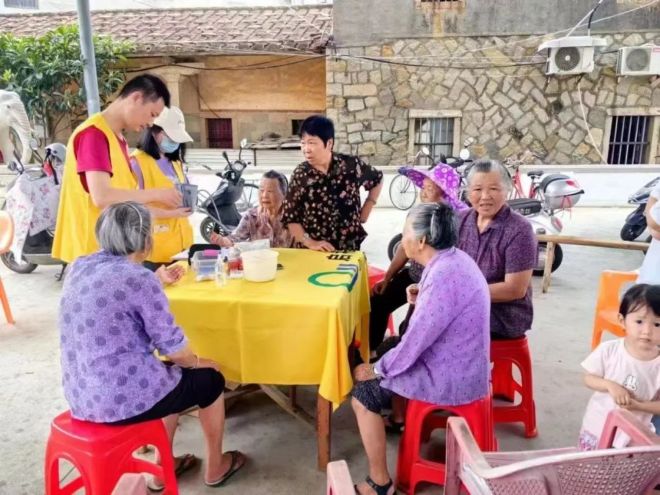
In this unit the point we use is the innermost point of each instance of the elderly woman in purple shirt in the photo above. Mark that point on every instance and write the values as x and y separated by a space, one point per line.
113 316
444 356
503 244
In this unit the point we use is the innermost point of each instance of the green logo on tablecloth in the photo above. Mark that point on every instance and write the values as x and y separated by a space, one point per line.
347 271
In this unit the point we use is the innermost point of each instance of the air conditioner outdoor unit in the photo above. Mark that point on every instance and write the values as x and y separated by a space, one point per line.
638 61
571 55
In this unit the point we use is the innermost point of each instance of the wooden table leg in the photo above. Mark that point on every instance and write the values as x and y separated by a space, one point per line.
547 269
293 396
323 430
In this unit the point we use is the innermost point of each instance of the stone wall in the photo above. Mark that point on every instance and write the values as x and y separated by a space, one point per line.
505 108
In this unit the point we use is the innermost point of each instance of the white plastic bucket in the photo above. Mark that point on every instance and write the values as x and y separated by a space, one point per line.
259 266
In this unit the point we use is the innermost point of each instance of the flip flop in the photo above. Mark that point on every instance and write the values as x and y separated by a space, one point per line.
379 489
183 464
392 426
234 467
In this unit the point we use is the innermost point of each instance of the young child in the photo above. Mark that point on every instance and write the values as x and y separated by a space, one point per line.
625 372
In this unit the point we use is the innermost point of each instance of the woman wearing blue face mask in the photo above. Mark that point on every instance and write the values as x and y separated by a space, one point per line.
158 163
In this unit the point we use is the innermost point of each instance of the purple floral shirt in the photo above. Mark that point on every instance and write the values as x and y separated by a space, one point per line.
508 245
113 315
255 225
443 358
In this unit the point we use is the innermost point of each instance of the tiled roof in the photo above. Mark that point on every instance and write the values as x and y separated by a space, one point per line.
197 30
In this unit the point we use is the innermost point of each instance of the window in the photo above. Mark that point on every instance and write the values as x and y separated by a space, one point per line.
220 133
296 124
629 139
22 4
437 134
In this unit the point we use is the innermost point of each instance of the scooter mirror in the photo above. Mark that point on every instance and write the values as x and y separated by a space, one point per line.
243 143
464 154
425 150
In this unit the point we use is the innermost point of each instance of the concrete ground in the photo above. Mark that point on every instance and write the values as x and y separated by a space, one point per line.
282 450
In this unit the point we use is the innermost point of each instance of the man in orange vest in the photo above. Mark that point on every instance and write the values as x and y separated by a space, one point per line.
97 169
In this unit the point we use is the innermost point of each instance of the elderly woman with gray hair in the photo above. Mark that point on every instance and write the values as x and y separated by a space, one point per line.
443 358
113 315
503 244
265 221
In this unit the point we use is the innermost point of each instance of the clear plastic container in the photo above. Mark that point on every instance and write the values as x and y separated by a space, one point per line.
221 271
235 263
204 262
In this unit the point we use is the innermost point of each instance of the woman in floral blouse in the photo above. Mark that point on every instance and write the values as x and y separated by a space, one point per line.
323 210
265 221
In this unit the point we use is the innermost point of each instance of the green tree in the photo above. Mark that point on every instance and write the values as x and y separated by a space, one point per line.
47 71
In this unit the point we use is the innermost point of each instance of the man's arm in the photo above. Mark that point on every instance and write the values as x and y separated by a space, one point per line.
514 287
104 195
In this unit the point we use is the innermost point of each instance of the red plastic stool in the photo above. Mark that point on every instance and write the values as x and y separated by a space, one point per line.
375 276
103 453
411 467
504 354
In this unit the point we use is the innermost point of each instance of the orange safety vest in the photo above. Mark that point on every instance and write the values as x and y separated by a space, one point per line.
77 213
170 235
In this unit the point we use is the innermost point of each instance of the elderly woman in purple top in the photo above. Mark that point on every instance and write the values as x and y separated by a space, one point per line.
443 357
503 244
113 315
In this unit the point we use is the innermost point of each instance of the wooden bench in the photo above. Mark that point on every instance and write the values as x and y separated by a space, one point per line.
553 240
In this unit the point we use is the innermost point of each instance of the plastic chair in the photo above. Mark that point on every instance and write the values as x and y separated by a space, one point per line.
607 306
131 484
630 471
103 453
6 238
339 479
504 354
411 467
376 275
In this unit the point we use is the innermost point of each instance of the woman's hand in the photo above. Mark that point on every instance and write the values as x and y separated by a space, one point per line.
181 212
621 395
411 293
319 246
208 363
169 275
364 372
221 241
380 287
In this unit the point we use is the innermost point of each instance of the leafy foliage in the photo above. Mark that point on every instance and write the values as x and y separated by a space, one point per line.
47 71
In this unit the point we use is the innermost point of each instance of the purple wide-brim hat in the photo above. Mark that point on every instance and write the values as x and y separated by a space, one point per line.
442 176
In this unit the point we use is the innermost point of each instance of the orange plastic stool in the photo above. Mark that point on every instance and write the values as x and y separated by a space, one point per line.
375 276
103 453
6 238
504 354
607 306
411 467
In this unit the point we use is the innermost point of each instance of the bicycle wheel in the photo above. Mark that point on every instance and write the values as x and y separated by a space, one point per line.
249 198
402 192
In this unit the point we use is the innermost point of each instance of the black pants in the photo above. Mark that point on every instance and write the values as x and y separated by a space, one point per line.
382 306
198 387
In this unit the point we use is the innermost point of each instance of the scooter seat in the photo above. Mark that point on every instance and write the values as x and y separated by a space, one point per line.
535 173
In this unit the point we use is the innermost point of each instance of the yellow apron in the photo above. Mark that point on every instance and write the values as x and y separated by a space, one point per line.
77 214
170 235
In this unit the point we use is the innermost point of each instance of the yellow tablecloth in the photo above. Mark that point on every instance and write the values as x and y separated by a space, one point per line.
295 330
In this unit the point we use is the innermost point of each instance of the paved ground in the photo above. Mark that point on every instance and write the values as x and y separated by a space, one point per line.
282 450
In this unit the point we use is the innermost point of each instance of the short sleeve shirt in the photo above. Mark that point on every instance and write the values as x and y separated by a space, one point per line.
508 245
649 273
611 360
328 205
92 152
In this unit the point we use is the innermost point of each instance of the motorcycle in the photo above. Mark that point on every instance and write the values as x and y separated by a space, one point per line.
551 193
38 242
635 223
233 195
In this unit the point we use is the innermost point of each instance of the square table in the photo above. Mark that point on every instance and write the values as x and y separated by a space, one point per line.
294 330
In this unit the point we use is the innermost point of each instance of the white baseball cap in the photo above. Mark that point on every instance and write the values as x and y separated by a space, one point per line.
172 121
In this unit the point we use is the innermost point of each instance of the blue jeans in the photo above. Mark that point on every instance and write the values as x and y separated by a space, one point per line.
656 423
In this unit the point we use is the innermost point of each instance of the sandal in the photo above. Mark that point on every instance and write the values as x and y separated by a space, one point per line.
235 466
392 426
379 489
182 464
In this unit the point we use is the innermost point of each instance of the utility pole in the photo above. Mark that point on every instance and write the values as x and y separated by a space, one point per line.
88 57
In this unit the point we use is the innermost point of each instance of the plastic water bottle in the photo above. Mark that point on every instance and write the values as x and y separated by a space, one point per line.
221 269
